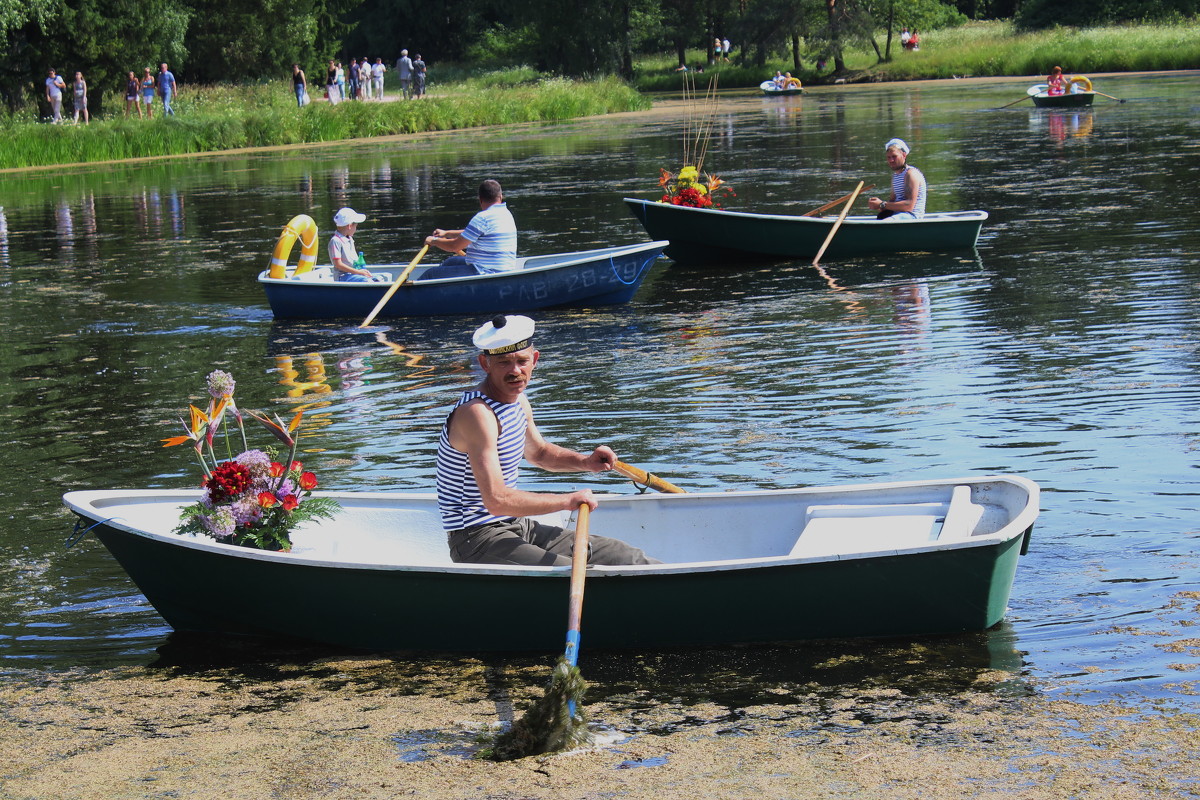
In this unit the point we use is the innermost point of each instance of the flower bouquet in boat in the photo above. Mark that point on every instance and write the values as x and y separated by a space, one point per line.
685 188
251 499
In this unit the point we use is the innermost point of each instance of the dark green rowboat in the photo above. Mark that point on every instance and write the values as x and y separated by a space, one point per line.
708 236
893 559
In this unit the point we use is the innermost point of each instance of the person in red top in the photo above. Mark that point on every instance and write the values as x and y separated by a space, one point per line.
1055 82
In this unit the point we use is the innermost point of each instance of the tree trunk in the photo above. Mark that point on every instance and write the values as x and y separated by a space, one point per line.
835 39
796 63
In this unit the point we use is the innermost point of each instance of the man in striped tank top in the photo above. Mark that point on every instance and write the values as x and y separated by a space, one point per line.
908 186
483 441
490 239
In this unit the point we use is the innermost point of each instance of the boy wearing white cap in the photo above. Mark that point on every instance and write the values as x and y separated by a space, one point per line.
347 264
483 441
908 186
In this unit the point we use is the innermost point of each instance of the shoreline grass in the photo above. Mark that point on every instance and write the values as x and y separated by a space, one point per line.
231 117
972 50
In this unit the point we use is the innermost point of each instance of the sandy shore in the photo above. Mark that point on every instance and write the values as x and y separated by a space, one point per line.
366 728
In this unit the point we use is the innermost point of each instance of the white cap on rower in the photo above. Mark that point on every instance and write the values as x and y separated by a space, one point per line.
504 334
899 144
346 216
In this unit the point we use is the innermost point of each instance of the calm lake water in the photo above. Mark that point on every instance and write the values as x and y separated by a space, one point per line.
1066 348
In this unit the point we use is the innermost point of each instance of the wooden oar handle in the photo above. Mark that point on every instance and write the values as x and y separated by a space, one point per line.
837 202
579 558
645 478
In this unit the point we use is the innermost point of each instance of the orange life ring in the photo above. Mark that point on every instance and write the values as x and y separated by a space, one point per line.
304 228
1082 81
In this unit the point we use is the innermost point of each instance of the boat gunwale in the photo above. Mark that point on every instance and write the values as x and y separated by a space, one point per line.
81 503
584 256
936 217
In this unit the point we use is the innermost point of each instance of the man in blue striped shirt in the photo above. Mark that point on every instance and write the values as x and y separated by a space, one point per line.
490 238
486 436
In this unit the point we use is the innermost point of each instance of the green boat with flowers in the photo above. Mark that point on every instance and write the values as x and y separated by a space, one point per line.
257 551
690 215
707 235
903 559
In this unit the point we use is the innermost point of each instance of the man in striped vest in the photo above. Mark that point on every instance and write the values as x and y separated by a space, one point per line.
908 186
483 441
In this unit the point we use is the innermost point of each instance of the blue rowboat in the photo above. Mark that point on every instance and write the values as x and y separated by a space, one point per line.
607 276
771 565
716 236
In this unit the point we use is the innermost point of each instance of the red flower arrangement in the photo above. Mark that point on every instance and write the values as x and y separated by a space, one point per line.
686 189
251 499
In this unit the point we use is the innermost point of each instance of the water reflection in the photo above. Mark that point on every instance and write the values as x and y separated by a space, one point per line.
1060 125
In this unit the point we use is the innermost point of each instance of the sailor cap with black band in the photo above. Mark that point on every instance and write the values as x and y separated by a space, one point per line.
504 334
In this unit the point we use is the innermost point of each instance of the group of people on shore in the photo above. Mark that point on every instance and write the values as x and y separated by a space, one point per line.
910 40
139 93
363 79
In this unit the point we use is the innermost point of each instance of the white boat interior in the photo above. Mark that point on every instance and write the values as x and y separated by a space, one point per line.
689 532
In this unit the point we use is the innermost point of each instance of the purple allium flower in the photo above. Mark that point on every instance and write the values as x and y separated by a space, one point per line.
220 384
247 511
220 523
257 462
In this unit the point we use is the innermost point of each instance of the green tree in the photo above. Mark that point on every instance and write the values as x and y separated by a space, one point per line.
247 39
103 39
1035 14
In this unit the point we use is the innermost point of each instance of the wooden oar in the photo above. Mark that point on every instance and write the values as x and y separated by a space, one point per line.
838 224
395 285
837 202
1109 96
1013 103
645 478
579 559
554 722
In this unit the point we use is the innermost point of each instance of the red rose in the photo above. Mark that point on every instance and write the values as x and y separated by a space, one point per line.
275 470
308 481
290 503
267 499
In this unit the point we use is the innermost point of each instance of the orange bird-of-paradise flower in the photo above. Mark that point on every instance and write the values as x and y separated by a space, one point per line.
713 181
216 410
664 177
199 420
282 432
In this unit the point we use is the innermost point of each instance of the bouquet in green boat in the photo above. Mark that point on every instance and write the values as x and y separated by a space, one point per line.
686 189
251 499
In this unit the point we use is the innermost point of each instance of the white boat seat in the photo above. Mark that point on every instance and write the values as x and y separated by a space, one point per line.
854 528
961 517
318 275
835 529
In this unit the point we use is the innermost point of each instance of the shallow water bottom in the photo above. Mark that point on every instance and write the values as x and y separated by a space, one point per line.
375 727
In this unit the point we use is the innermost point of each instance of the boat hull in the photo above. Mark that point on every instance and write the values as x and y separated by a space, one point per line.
769 89
607 276
714 236
200 585
1076 100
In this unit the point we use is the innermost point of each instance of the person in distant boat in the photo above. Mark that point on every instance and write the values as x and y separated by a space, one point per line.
908 186
347 264
789 82
486 435
1056 83
779 80
489 241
